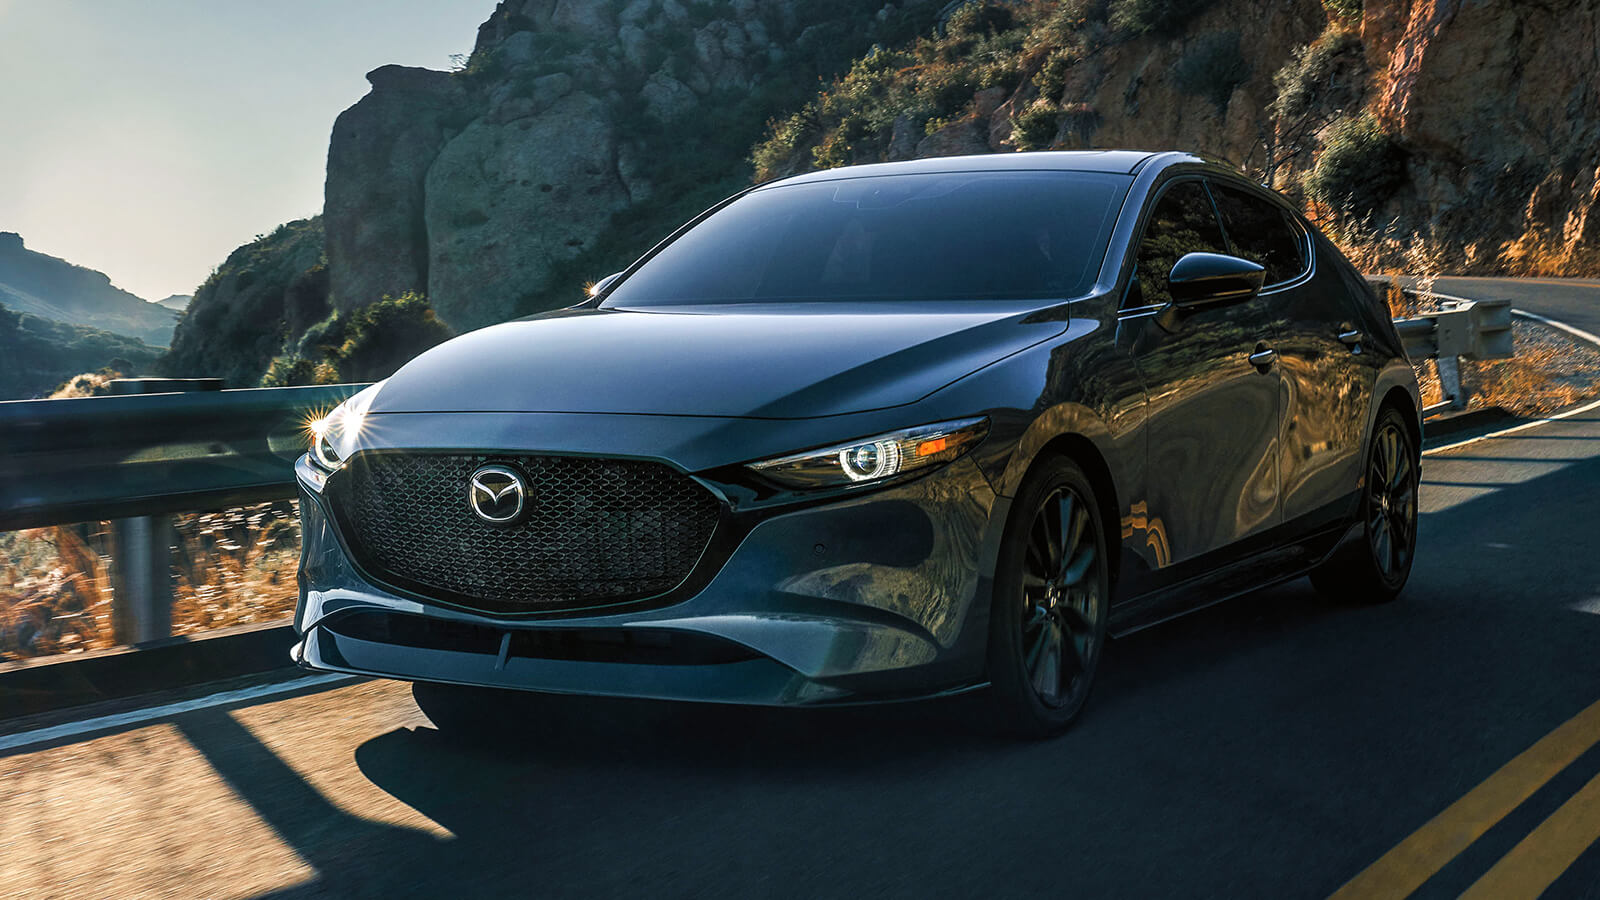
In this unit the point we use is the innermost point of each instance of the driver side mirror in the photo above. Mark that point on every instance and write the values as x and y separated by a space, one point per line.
599 287
1209 279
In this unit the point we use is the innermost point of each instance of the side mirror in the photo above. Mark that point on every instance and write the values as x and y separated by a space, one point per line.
1207 279
599 287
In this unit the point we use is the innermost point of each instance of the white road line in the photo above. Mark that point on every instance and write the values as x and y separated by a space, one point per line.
1575 332
133 717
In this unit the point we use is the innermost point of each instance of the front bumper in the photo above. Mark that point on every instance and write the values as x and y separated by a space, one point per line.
875 596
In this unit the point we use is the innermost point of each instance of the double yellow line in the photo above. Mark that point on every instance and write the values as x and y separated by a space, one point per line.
1531 866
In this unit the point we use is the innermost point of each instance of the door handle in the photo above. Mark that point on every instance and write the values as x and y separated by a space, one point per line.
1351 338
1264 357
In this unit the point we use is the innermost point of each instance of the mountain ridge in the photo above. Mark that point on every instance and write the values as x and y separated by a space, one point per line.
53 288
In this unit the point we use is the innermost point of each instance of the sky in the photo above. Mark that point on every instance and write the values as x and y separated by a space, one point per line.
149 138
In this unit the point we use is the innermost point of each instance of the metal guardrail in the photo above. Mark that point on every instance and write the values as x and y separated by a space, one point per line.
110 457
138 459
1459 329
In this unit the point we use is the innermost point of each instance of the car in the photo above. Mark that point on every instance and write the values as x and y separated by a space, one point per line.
875 433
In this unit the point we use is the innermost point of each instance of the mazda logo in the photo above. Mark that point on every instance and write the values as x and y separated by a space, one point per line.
497 494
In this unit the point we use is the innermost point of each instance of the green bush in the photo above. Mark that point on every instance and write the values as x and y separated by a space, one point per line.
1051 79
364 344
1348 10
1036 128
1361 165
1212 67
1136 17
1309 74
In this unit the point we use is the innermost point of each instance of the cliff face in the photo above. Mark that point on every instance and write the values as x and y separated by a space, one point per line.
482 188
1499 105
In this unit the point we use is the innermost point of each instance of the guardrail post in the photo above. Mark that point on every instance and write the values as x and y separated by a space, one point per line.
1450 381
141 562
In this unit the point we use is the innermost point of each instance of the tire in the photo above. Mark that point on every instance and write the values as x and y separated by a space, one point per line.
1374 569
1052 593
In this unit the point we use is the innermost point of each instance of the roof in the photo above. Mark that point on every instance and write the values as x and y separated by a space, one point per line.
1120 162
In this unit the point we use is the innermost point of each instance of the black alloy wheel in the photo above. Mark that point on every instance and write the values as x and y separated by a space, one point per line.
1052 596
1375 569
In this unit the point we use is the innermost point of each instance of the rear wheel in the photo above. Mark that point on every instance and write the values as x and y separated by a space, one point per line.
1375 568
1052 594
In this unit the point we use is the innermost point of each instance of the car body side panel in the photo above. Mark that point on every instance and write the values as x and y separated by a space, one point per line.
1327 388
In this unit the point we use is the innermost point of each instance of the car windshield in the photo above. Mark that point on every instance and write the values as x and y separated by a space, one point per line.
970 235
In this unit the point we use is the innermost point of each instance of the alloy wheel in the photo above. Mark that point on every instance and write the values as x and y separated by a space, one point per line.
1062 600
1392 502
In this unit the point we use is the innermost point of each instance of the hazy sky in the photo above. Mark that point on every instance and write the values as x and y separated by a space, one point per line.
148 138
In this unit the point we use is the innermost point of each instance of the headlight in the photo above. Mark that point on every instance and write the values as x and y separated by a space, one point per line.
332 436
876 458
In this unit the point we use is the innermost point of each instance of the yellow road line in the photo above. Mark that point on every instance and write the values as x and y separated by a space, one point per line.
1418 857
1535 864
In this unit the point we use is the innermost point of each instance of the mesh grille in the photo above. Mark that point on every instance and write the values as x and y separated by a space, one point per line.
594 530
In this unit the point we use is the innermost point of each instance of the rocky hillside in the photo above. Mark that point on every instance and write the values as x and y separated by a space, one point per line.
266 292
575 136
37 355
1457 135
1473 125
31 282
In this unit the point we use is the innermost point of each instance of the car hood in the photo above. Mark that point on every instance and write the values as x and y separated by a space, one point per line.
758 360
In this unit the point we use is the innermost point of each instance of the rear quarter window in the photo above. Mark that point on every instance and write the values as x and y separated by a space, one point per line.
1261 233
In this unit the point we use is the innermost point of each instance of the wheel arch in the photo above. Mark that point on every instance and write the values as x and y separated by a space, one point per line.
1088 457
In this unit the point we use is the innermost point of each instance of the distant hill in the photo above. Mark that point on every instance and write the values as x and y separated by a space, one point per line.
176 302
37 355
51 288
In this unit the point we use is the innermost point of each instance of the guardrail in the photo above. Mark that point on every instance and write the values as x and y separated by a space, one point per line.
1459 329
138 459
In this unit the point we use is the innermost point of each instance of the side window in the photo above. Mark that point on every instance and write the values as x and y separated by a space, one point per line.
1261 233
1181 223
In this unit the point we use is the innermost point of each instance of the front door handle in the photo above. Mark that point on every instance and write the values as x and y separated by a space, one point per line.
1264 357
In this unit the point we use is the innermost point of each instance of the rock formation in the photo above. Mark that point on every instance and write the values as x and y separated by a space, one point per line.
476 188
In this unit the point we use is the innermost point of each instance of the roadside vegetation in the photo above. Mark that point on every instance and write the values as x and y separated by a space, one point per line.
230 567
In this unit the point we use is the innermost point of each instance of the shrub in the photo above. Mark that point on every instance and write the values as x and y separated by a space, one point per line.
1348 10
1036 128
1051 79
381 337
1310 73
1135 17
365 344
1212 68
1361 165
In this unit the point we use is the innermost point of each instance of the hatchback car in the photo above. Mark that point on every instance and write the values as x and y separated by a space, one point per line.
874 433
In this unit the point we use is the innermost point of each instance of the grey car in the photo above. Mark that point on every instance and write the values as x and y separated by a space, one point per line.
875 433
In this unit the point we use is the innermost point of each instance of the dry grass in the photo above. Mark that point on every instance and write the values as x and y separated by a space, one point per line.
1551 371
231 567
235 567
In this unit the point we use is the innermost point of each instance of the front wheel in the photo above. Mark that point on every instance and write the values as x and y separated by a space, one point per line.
1375 568
1052 595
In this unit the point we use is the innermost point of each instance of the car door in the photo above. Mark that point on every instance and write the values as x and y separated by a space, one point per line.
1326 382
1213 395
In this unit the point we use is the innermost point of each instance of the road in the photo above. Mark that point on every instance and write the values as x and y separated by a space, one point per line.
1275 746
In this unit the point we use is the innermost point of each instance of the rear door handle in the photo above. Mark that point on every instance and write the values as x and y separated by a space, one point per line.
1263 357
1351 338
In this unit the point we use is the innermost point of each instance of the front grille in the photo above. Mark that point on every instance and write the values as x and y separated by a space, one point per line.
595 531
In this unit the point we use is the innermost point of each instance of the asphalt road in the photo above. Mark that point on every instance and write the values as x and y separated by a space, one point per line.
1275 746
